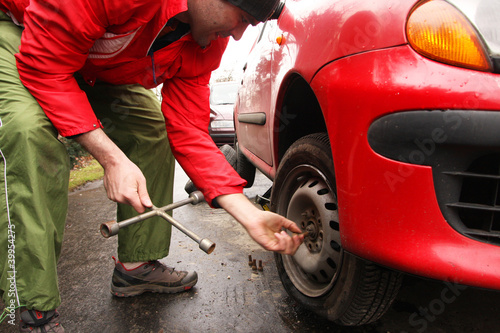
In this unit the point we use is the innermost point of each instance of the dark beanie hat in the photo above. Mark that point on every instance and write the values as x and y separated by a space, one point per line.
261 10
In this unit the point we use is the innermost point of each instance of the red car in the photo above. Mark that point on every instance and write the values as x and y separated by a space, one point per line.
379 124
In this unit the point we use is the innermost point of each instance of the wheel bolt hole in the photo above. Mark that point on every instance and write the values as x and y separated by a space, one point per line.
335 246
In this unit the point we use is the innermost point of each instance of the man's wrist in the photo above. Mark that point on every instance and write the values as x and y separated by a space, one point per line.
238 206
99 145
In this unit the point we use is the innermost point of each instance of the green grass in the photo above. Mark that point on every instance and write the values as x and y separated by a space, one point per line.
89 172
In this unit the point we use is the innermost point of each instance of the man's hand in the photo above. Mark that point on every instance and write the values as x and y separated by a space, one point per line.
126 184
266 228
123 180
267 231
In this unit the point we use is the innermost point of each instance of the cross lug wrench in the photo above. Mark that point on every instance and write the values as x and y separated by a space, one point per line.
111 228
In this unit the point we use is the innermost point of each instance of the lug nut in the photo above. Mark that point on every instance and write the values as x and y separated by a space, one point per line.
261 268
250 261
254 265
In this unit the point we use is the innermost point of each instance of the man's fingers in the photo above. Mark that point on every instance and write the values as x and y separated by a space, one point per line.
126 184
144 196
140 199
290 225
287 244
297 241
137 197
281 245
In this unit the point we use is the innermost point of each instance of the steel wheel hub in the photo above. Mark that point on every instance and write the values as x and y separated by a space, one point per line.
313 206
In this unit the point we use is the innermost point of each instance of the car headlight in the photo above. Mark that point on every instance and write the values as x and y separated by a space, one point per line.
439 31
222 124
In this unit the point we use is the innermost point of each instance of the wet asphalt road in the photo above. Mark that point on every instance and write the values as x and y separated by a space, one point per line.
229 296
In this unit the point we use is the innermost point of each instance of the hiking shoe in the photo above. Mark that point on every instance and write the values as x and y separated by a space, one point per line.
152 276
40 322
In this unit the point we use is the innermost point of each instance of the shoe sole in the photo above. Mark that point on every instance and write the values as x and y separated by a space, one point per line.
138 290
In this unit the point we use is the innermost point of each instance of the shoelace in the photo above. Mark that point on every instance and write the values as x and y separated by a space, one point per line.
157 264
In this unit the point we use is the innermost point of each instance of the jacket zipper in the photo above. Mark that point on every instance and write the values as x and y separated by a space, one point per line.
152 53
153 64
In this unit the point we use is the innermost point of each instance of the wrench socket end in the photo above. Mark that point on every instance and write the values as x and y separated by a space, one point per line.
196 197
109 229
207 245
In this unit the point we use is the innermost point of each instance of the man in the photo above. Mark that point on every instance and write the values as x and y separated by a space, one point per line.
82 69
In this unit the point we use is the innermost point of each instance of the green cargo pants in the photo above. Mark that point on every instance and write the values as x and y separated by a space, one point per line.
34 173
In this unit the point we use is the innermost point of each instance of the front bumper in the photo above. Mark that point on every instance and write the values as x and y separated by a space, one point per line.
222 138
463 149
401 201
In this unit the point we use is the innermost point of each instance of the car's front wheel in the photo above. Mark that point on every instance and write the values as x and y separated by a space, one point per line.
321 275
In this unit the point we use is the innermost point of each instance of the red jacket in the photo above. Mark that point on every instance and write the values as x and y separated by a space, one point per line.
109 41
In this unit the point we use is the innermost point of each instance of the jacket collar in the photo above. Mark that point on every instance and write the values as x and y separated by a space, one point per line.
174 7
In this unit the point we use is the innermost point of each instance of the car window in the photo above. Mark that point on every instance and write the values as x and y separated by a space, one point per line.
267 26
224 94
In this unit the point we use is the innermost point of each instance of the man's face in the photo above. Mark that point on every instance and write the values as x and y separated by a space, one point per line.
211 19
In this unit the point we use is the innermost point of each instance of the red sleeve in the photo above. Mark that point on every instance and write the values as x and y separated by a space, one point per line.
187 115
15 8
55 45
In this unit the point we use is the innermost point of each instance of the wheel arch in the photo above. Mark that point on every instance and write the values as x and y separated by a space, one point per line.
298 114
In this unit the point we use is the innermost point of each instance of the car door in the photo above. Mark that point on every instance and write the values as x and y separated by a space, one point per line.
253 120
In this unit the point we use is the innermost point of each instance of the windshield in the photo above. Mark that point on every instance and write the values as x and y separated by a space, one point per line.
224 94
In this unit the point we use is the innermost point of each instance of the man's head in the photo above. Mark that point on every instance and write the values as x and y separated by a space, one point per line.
211 19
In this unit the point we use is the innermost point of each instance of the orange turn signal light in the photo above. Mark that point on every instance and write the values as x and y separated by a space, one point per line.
439 31
280 39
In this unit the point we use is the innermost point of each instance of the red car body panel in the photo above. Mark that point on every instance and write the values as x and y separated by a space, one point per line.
300 48
362 71
389 210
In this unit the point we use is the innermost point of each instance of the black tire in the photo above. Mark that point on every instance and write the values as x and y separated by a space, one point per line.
321 276
230 155
244 167
189 187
